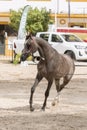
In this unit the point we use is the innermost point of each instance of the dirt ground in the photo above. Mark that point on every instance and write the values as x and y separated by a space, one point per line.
69 114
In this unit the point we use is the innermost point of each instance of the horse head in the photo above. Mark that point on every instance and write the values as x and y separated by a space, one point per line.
30 46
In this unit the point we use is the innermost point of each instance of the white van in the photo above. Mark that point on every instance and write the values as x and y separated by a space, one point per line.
64 43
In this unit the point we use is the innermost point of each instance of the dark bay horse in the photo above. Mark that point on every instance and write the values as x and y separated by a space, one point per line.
52 65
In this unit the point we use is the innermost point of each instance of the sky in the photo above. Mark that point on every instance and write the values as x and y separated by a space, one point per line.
54 5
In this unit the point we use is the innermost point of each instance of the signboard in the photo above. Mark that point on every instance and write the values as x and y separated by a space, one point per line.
77 0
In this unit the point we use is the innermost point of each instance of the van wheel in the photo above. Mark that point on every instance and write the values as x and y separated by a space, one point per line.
71 54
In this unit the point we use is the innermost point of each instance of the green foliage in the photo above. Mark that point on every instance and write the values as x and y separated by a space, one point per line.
30 58
37 20
17 59
46 19
15 19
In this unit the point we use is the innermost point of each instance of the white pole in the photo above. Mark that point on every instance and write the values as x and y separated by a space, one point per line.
55 20
56 12
69 11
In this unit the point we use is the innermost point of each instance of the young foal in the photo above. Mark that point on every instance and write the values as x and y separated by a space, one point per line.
52 66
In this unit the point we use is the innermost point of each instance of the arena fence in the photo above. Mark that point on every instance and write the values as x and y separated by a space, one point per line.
6 52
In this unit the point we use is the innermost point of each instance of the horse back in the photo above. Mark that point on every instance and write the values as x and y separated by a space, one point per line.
62 65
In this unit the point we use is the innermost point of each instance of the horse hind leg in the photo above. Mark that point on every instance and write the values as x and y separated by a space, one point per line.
66 80
56 99
60 86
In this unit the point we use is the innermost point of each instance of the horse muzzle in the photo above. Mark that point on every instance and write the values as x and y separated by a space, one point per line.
23 57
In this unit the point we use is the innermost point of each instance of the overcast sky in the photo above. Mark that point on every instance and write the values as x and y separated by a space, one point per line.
54 5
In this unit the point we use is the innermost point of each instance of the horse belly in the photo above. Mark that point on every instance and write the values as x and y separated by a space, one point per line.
65 69
42 69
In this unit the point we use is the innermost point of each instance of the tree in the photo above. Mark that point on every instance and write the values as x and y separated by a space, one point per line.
37 20
15 19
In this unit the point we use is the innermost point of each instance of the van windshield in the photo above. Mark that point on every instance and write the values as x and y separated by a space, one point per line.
70 38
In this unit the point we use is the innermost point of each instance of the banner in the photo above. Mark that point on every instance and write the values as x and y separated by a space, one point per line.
22 30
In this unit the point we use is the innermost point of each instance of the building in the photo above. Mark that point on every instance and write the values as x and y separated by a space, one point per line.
74 20
76 6
64 12
4 20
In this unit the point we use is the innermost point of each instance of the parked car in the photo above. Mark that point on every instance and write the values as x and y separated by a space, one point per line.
64 43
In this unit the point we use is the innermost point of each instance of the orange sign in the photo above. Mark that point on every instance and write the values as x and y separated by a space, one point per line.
77 0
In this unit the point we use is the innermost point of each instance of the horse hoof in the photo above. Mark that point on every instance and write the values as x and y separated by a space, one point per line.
31 109
53 103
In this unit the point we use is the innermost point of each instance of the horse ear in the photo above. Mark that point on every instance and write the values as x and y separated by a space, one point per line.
29 36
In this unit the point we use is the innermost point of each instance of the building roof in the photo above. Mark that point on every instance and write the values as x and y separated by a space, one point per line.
71 15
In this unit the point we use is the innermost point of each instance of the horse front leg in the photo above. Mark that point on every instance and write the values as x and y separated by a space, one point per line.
37 80
47 93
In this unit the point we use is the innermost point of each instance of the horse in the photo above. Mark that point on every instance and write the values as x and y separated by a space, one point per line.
52 66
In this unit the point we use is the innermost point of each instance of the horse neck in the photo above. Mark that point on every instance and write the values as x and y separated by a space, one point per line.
45 50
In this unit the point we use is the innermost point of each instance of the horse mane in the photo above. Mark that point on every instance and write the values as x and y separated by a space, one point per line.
40 43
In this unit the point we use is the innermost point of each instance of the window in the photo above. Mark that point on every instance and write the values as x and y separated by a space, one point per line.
56 38
45 36
71 38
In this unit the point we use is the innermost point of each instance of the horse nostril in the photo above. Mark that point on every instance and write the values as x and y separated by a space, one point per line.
22 58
